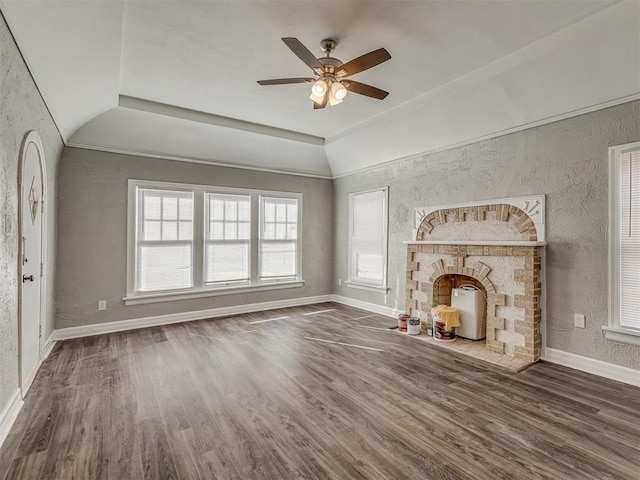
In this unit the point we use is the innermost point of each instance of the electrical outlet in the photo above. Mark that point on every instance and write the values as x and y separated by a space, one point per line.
339 282
102 304
578 320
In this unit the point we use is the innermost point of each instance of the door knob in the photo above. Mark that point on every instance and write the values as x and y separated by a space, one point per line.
25 278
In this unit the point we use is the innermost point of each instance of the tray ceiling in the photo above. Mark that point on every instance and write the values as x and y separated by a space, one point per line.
459 71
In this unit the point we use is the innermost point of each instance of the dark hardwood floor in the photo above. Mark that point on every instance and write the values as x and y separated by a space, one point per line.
297 398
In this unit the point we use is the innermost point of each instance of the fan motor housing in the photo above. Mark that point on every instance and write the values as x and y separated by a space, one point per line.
332 63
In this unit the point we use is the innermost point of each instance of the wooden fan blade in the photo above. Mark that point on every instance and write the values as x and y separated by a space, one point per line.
303 53
285 81
366 61
317 106
364 89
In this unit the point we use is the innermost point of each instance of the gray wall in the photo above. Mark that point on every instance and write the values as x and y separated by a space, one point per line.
567 161
92 234
21 110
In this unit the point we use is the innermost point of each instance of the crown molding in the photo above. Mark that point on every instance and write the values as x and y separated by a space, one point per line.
176 158
499 133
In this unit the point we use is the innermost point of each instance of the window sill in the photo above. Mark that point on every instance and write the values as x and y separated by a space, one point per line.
364 286
170 297
622 335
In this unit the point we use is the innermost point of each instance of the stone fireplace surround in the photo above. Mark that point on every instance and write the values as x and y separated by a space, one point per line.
495 243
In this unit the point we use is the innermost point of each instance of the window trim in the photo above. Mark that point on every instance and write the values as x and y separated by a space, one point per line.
200 288
614 331
261 240
136 247
206 242
356 282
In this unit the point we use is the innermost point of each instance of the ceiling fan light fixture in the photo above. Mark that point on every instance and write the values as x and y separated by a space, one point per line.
318 99
327 88
338 91
319 88
333 101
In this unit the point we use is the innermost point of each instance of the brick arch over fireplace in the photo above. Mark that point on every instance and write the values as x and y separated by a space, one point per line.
517 218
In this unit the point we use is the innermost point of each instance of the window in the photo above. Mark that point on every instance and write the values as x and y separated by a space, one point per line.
165 240
278 237
368 239
189 241
228 239
624 244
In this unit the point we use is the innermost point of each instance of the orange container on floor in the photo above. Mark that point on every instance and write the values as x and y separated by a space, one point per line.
402 322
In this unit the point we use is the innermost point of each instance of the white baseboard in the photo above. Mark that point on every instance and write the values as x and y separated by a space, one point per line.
46 350
48 346
26 384
590 365
371 307
123 325
9 414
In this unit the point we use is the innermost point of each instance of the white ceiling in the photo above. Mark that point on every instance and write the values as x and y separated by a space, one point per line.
460 71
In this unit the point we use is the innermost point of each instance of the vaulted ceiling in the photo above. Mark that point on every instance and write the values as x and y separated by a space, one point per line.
177 79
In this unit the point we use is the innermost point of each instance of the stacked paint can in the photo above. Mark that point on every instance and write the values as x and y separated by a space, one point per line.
403 318
413 326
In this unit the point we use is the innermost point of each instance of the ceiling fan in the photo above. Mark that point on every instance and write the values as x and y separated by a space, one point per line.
331 84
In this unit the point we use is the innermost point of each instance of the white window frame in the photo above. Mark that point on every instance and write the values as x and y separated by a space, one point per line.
355 282
200 288
208 241
139 244
261 240
614 331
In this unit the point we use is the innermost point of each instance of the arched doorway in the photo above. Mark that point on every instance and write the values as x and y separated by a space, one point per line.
32 180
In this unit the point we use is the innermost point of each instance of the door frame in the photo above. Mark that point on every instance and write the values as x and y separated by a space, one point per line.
32 138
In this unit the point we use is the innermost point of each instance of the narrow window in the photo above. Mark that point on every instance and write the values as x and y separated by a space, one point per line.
624 244
368 238
278 238
629 239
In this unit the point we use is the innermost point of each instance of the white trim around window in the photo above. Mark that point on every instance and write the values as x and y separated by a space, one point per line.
624 308
191 241
368 239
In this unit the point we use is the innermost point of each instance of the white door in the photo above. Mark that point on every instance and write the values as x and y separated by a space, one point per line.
30 281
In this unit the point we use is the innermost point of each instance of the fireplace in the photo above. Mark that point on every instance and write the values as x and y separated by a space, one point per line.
497 246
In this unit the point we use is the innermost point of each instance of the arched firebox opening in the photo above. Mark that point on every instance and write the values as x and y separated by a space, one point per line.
444 285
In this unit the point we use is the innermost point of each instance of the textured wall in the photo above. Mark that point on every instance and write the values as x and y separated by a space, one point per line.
92 234
21 110
567 161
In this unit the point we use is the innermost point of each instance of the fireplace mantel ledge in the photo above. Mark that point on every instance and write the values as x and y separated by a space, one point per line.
499 243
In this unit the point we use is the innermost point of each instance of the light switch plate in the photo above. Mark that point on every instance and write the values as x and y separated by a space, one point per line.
578 320
102 304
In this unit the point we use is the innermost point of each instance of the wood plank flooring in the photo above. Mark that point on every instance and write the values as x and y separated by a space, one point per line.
307 395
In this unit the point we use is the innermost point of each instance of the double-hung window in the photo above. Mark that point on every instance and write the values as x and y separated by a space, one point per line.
188 241
228 239
624 244
368 239
164 250
278 238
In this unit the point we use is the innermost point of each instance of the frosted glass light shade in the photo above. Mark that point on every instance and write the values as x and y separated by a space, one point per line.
338 90
319 88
